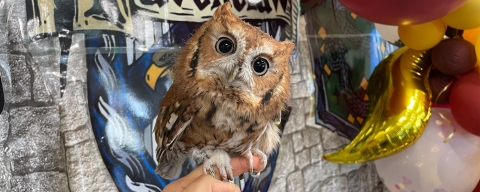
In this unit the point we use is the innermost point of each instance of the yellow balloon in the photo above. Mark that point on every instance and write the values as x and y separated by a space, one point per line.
422 36
399 109
465 17
477 48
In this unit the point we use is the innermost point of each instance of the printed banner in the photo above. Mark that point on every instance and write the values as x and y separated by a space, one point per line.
130 46
2 97
345 50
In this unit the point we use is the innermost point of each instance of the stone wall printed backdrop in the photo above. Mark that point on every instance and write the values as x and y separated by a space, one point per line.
82 81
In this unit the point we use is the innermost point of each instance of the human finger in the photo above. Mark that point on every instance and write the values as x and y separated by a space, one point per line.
208 183
240 165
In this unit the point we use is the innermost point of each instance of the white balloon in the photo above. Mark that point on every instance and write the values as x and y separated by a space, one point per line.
432 165
388 32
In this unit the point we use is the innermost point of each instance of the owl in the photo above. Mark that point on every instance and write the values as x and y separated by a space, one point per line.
230 84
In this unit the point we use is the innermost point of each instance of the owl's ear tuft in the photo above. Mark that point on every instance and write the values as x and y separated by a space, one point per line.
226 7
289 46
222 10
217 13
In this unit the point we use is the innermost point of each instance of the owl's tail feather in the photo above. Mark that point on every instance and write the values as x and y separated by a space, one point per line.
170 164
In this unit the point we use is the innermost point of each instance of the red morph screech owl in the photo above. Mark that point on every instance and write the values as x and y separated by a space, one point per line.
230 84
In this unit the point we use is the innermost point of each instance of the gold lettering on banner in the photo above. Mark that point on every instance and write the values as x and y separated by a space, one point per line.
116 16
202 10
44 23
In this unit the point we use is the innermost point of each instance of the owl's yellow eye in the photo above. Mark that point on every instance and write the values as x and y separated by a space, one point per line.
225 46
260 66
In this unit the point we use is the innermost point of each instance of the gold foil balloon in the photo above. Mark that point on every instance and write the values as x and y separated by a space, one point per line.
400 103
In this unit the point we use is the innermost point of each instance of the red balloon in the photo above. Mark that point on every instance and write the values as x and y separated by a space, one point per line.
401 12
477 188
464 101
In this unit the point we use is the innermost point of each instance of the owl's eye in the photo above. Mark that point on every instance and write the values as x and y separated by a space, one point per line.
225 46
260 66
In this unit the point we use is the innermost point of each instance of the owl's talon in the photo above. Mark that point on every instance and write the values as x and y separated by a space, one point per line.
230 174
208 168
263 160
223 172
219 159
262 156
212 172
255 175
249 157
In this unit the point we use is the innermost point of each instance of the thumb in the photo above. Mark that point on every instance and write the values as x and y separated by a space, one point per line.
224 187
210 184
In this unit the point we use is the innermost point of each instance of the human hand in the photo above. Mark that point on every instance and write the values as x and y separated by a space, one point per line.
198 181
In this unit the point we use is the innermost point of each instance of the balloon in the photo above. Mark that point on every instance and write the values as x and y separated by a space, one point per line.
477 47
477 188
399 110
465 17
441 85
388 32
464 101
401 12
454 56
471 35
433 165
422 36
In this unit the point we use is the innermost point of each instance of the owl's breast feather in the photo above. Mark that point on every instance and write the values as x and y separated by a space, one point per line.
218 125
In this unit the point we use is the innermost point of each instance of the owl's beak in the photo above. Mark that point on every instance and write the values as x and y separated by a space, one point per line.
232 76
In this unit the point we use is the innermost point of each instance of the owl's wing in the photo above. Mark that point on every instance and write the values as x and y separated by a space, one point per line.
174 116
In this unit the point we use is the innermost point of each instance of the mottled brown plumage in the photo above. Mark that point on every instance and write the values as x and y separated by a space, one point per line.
230 84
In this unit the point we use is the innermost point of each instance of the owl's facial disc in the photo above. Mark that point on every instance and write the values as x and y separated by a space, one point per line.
232 76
